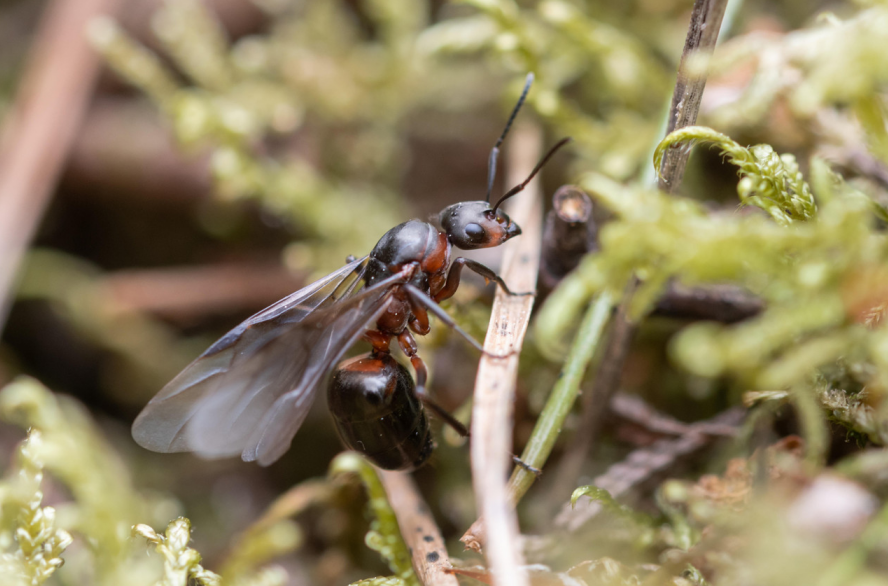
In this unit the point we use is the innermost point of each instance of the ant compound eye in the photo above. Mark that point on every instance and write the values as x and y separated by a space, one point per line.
474 232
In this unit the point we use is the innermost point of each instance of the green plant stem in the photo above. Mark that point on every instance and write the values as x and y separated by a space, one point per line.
870 112
563 396
813 426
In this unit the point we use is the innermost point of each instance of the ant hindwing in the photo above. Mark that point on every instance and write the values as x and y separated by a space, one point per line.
250 391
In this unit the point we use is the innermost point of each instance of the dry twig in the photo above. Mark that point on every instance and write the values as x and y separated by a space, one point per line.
721 303
644 464
634 409
569 234
418 528
495 384
192 292
38 133
124 150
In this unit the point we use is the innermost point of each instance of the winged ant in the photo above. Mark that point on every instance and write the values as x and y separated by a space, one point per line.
250 391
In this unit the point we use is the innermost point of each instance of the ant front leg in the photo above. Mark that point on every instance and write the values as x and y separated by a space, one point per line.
453 277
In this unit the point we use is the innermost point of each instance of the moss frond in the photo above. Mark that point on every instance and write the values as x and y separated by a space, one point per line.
181 563
384 536
769 181
835 61
24 522
608 502
74 452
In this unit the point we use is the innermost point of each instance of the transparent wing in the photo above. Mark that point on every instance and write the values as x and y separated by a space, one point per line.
250 391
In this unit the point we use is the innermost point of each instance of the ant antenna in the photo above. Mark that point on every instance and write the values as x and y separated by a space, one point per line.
494 153
520 187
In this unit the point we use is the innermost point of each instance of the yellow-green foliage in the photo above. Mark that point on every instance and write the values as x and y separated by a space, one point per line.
770 181
384 535
181 564
105 504
564 44
818 278
245 92
833 62
104 510
30 543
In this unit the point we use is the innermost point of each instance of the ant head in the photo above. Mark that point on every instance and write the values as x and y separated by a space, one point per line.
474 224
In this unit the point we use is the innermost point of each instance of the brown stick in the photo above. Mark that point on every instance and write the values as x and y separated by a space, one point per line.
644 464
569 234
722 303
48 109
191 292
633 408
419 530
124 150
495 384
702 36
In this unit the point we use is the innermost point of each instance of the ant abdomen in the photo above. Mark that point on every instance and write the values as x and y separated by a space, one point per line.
376 411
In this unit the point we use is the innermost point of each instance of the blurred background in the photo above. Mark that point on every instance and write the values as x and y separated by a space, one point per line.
201 159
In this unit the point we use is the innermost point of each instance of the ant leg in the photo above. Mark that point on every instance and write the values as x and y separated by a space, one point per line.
419 323
417 297
461 429
378 340
489 275
408 344
444 416
420 299
453 278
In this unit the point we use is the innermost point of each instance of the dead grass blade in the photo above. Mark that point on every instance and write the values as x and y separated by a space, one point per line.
419 530
495 384
40 128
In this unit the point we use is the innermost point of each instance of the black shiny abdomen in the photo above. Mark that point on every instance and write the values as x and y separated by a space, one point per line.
377 413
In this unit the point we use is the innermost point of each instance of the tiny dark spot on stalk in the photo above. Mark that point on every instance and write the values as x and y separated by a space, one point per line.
432 557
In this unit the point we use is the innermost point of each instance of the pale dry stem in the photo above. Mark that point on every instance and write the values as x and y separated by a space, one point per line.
418 528
40 128
492 415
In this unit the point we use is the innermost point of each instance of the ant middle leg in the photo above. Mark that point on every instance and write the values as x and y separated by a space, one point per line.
453 278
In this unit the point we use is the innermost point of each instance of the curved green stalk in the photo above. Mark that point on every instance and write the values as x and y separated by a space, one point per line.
564 394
